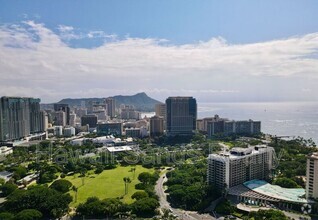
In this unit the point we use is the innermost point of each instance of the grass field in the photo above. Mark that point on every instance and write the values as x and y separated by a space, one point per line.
108 184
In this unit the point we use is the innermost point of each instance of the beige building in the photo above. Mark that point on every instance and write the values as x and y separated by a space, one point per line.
239 165
156 126
160 110
312 176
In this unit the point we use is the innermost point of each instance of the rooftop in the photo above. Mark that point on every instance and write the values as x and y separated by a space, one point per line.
296 195
238 152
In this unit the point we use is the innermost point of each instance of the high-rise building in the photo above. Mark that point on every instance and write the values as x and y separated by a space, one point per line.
72 119
59 118
233 168
98 108
44 120
160 110
312 176
90 120
181 115
156 126
111 107
19 117
65 108
128 112
202 124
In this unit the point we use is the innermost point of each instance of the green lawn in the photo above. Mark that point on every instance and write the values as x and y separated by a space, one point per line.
108 184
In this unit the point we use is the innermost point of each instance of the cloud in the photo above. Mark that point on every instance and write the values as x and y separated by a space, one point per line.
36 61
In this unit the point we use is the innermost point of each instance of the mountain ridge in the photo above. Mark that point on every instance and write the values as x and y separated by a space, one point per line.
141 101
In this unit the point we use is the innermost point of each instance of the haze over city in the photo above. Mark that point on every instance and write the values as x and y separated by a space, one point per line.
214 50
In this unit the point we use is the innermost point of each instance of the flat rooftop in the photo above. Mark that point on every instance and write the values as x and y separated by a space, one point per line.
237 152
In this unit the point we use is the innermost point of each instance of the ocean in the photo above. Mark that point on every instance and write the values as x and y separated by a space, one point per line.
278 118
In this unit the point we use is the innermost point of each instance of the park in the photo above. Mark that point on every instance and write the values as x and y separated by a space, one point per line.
108 184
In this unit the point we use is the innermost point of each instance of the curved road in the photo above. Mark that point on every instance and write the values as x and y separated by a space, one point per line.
164 204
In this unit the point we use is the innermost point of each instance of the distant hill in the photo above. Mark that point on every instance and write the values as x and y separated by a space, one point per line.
141 101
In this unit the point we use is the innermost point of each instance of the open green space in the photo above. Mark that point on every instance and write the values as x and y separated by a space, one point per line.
108 184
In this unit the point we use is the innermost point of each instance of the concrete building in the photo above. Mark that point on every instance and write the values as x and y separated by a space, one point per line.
19 117
80 112
98 108
181 115
58 131
312 176
65 108
111 107
160 110
110 128
127 112
156 126
240 165
69 131
133 132
44 120
73 118
203 123
90 120
227 127
59 118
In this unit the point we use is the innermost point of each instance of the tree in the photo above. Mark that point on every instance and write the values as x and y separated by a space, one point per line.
148 178
225 208
268 214
127 180
29 214
19 172
46 200
8 188
286 183
75 189
6 216
61 185
94 207
145 207
134 172
139 195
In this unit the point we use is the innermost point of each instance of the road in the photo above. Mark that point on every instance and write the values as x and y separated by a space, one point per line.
182 214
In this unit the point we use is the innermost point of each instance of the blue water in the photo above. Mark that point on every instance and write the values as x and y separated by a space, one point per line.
284 118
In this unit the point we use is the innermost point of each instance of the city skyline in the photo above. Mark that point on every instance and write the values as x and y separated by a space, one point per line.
232 52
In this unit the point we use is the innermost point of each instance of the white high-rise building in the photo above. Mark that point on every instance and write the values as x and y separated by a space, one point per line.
312 176
233 168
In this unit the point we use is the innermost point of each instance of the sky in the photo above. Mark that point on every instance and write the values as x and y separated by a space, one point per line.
216 51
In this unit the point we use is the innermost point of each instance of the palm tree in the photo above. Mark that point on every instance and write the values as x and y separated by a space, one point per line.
134 172
127 180
74 188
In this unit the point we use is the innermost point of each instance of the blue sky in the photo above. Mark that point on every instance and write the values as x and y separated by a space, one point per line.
247 35
179 21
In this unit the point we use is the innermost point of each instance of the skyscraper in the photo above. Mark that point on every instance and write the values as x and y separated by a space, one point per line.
111 107
65 108
19 117
181 115
312 176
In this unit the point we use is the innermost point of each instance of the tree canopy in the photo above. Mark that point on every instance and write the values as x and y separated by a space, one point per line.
46 200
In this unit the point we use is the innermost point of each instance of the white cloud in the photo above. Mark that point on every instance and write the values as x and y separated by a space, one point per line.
36 61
